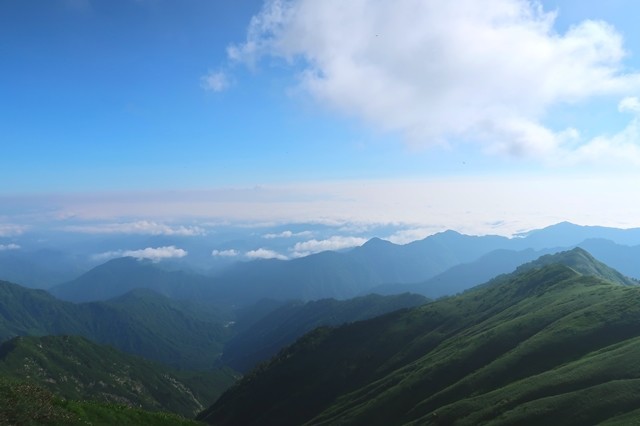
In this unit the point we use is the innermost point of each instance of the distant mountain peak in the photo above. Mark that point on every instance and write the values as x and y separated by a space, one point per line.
377 242
449 233
580 261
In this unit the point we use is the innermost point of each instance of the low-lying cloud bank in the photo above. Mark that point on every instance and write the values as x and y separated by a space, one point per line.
263 253
141 227
225 253
155 254
333 243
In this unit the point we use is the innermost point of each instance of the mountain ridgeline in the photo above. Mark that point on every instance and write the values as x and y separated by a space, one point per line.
141 322
521 333
282 326
524 348
439 265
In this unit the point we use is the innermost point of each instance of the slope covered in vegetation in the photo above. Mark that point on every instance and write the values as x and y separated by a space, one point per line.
545 342
77 369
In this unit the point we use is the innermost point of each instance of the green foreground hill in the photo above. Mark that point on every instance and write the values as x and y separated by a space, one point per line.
77 369
545 345
141 322
23 403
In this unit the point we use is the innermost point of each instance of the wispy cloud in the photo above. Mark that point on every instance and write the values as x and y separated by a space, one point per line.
225 253
6 247
451 71
215 81
405 236
143 227
155 254
11 230
333 243
288 234
263 253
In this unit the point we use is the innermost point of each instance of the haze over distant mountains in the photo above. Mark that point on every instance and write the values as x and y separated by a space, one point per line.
439 265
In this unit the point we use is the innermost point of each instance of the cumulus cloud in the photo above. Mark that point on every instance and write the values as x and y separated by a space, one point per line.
225 253
5 247
143 227
155 254
333 243
443 71
629 104
616 149
263 253
215 81
288 234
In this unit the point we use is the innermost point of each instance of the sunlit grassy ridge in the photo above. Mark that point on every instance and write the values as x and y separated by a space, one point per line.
547 343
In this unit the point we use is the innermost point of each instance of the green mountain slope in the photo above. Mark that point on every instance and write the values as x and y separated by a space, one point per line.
581 261
75 368
23 403
536 344
284 325
142 323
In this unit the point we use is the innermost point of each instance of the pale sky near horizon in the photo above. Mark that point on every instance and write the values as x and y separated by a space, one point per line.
493 116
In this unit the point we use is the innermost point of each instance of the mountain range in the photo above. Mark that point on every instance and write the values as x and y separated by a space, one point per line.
75 368
442 264
282 326
141 322
525 348
518 325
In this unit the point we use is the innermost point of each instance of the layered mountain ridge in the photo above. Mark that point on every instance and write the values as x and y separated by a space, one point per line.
524 347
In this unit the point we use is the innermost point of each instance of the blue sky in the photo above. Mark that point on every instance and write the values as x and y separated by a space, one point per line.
303 110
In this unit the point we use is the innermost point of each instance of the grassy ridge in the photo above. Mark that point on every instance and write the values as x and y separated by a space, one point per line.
23 403
77 369
525 347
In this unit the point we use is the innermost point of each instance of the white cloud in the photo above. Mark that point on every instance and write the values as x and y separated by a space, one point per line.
289 234
154 254
406 236
629 104
443 71
225 253
614 150
5 247
333 243
263 253
215 81
143 227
